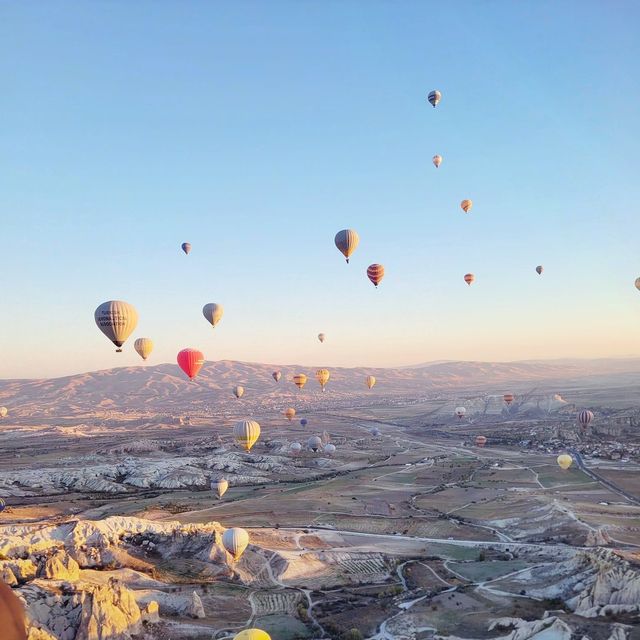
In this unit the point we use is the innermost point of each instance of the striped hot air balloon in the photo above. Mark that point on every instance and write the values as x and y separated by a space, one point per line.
375 273
508 398
246 433
469 278
347 242
584 418
299 380
434 98
117 320
437 161
480 441
144 347
466 205
322 376
190 361
186 247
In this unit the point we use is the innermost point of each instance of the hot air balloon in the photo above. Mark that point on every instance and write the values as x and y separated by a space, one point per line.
290 413
3 412
276 375
325 437
220 486
314 443
322 376
235 541
299 380
508 398
117 320
347 242
295 448
564 461
437 160
370 380
434 98
375 273
252 634
460 412
186 247
191 361
637 283
480 441
584 418
329 449
466 205
213 311
12 615
3 505
469 278
238 391
304 422
375 432
246 433
539 269
321 337
144 347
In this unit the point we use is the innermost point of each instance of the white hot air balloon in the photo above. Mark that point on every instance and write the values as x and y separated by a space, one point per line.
220 486
235 541
314 443
117 320
143 347
329 449
238 391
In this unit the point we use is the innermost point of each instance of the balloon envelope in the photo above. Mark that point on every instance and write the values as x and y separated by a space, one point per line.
3 412
460 412
321 337
144 347
238 391
375 273
117 319
508 398
276 375
434 97
370 380
246 433
322 376
469 278
466 205
235 541
564 461
481 441
329 449
637 283
186 247
295 447
347 242
314 443
220 487
437 160
252 634
299 380
213 312
539 269
290 413
584 418
304 422
190 361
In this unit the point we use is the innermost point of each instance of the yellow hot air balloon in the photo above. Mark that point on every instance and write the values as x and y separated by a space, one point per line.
299 380
4 412
246 433
235 541
466 205
564 461
347 242
290 414
117 320
213 312
370 380
144 347
238 391
252 634
322 376
220 487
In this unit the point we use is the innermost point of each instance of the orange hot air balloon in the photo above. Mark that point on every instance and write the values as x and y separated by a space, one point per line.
375 273
290 414
276 375
469 278
480 441
466 205
508 398
299 380
191 361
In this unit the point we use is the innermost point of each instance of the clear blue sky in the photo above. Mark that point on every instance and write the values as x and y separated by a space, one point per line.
256 130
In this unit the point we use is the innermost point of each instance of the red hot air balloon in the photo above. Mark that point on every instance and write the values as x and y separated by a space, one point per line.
375 273
508 398
191 361
469 278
